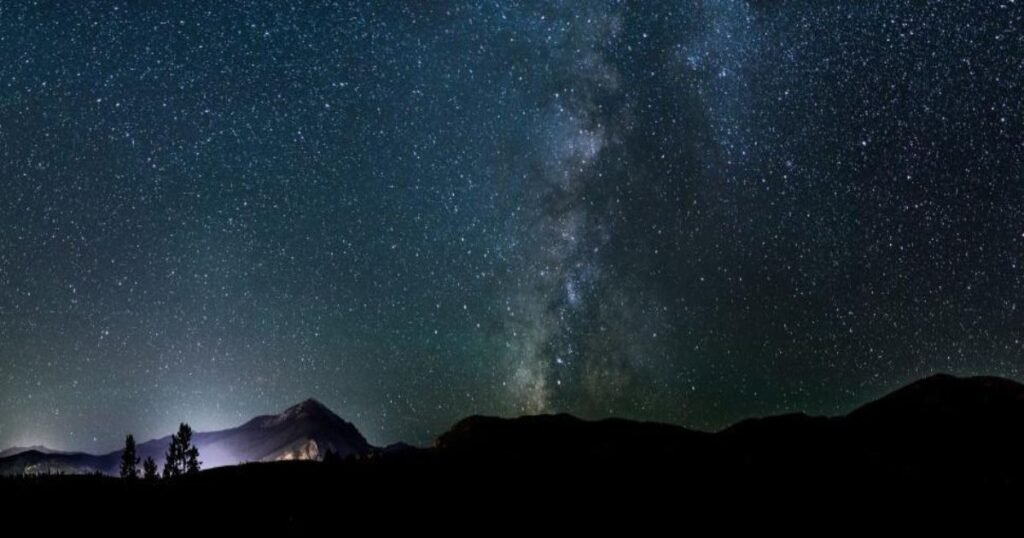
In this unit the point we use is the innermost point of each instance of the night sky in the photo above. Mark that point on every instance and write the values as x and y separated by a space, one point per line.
687 211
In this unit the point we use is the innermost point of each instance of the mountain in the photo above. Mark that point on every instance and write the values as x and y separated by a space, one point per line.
966 430
37 462
14 450
305 431
939 430
945 401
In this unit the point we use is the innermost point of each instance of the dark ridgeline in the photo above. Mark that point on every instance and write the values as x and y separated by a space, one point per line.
941 434
937 432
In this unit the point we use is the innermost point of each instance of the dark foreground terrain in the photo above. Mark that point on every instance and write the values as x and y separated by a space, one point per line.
939 437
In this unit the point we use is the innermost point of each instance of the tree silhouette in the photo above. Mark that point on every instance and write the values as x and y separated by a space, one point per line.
182 456
149 470
129 460
192 462
171 468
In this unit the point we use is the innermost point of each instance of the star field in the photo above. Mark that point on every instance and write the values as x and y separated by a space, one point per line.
690 211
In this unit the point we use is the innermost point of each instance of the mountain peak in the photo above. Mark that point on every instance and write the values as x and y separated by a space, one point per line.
311 402
309 406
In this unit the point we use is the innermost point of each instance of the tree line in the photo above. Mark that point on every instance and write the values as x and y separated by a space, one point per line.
181 458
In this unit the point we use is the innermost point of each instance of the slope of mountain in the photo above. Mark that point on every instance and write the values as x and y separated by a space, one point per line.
306 431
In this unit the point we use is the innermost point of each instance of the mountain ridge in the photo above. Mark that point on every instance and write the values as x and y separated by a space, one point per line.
307 430
967 426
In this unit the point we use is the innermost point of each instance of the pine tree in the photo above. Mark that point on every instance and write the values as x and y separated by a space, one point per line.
149 470
192 462
182 456
129 460
171 466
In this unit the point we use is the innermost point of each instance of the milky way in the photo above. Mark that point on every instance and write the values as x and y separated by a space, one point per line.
689 211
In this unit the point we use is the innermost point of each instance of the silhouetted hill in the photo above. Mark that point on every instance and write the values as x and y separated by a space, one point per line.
945 401
942 429
939 434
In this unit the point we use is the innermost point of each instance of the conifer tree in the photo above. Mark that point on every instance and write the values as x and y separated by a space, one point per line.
149 470
182 456
129 459
190 453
